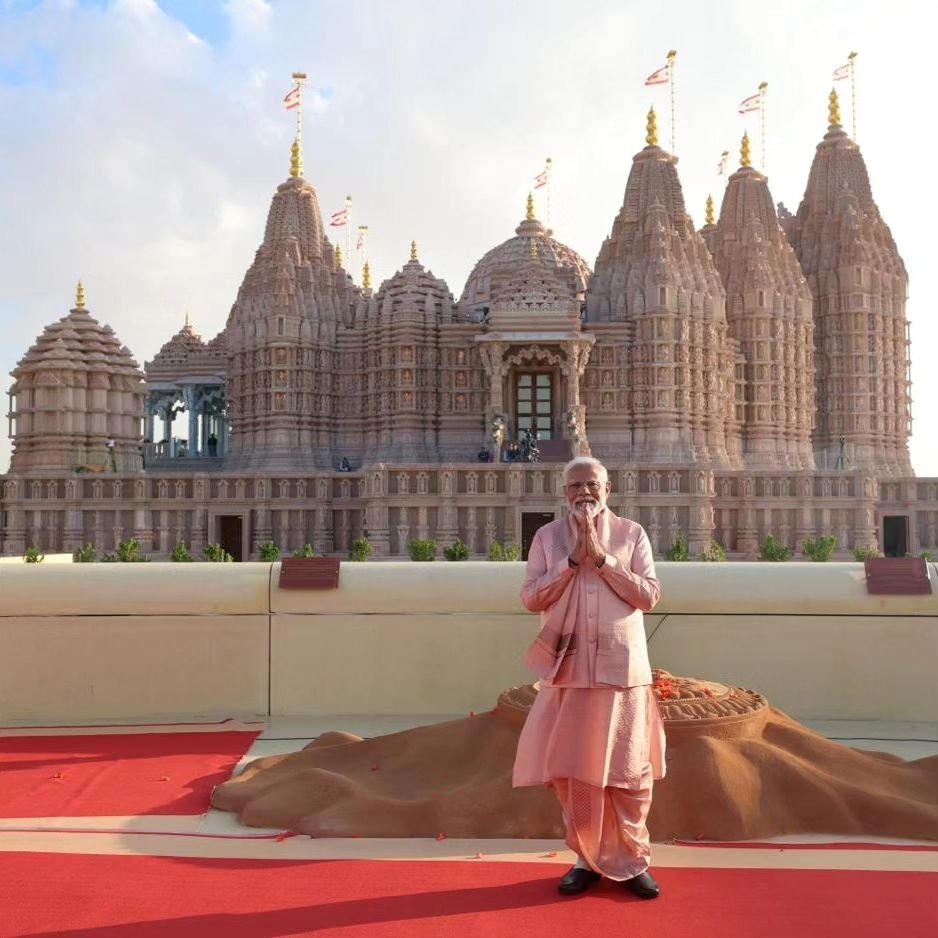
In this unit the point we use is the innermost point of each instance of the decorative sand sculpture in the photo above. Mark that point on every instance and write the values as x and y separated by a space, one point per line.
738 769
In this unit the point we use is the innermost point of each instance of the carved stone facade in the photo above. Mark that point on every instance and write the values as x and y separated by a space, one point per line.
687 361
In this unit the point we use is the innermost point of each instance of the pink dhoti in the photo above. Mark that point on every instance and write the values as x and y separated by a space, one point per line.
599 748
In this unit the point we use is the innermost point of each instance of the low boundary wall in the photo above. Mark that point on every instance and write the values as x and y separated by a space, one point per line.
160 641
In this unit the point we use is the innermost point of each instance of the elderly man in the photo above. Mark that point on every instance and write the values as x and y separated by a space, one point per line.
594 734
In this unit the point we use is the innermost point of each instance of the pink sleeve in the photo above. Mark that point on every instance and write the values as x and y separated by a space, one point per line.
544 585
638 586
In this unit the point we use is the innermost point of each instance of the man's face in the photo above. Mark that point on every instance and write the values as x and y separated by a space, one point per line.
585 490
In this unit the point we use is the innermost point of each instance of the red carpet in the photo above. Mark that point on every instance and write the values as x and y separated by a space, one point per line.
152 897
121 774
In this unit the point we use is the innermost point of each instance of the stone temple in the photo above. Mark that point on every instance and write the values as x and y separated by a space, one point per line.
745 379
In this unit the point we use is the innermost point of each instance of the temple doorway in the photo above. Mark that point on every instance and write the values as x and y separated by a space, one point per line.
531 521
231 535
895 535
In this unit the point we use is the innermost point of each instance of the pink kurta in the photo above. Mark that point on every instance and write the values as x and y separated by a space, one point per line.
578 727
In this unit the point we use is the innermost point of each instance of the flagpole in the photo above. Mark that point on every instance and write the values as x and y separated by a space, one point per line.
548 166
300 79
852 59
348 227
762 90
672 56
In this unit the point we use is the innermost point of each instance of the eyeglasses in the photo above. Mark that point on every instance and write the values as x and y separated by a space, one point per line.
593 487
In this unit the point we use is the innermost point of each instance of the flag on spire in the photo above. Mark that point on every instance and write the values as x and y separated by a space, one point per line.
360 243
540 179
339 219
841 73
292 98
660 77
752 103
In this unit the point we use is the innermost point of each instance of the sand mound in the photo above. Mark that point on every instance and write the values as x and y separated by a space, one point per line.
737 770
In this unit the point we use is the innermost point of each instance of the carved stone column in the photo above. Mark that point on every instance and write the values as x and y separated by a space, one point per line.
492 354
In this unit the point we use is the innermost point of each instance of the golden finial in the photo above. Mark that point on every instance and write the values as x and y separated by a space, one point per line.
413 251
366 276
187 319
833 109
338 255
709 209
651 138
80 296
533 248
529 214
745 156
296 159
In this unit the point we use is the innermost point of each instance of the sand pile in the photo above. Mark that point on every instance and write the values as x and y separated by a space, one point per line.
737 770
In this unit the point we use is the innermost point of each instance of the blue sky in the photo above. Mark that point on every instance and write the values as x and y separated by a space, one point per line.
142 141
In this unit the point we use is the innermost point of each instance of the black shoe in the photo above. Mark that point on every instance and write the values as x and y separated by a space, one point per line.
644 886
577 880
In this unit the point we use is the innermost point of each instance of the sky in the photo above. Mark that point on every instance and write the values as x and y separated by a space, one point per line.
141 141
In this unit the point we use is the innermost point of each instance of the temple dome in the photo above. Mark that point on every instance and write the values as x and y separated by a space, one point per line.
414 290
76 388
493 274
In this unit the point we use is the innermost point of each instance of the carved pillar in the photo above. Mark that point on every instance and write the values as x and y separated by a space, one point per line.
447 529
747 531
376 510
492 354
578 353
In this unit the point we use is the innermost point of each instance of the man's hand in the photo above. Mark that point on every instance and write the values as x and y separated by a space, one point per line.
594 551
578 554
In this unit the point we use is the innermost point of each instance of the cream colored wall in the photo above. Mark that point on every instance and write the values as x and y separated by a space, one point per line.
114 640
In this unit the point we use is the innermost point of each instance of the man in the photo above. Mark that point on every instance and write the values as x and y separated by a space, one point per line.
594 734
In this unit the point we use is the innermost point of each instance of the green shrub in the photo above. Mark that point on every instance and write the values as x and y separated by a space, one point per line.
714 553
129 552
509 552
268 552
678 550
361 550
928 555
820 548
774 550
865 553
181 554
34 555
305 551
422 549
86 554
217 554
456 551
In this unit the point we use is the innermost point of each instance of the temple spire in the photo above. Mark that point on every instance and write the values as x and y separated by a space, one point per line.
413 251
651 136
80 296
833 109
187 320
366 276
338 255
709 209
529 214
745 155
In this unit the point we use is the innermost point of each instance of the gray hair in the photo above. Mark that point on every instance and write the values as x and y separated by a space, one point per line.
583 462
